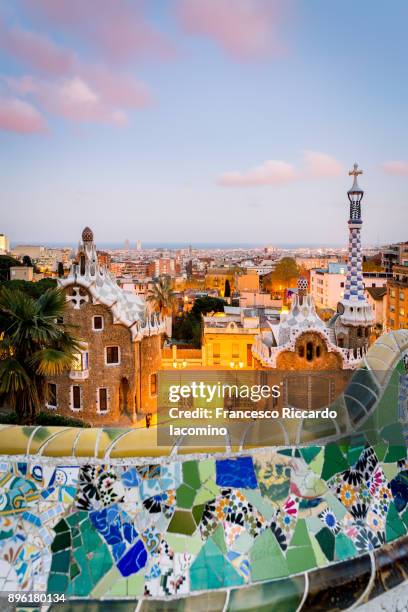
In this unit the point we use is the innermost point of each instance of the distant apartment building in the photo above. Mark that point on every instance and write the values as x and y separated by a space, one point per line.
163 266
394 255
255 299
4 244
327 285
377 298
309 263
104 258
33 251
248 282
397 298
228 338
216 278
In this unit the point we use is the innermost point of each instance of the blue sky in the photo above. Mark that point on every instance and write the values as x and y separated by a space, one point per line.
202 120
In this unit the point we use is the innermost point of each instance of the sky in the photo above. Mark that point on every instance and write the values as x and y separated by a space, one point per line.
232 121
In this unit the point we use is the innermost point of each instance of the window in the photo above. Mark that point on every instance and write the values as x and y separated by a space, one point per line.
341 285
402 312
216 353
318 350
76 397
301 351
112 355
402 295
153 385
52 395
235 351
102 400
249 355
80 361
359 332
97 323
309 351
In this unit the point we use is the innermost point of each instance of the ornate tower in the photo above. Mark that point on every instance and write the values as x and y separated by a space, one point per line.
355 315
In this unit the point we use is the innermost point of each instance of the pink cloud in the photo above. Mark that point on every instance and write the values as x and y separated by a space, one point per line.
396 168
275 172
117 29
321 165
101 97
35 50
19 116
271 172
243 28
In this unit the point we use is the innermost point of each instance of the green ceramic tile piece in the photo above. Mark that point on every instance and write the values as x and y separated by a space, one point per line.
300 535
344 547
191 474
394 526
61 541
61 526
390 470
262 504
206 469
300 559
393 434
334 461
286 451
182 522
354 452
309 453
106 583
73 571
198 513
76 517
210 570
90 536
279 595
314 524
57 583
207 492
326 541
380 450
243 543
266 558
321 558
119 588
316 465
136 584
185 496
335 505
404 517
219 539
395 453
60 562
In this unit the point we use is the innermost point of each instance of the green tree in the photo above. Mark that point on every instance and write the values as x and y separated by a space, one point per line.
27 261
162 297
33 345
31 288
227 289
60 269
286 270
207 304
6 262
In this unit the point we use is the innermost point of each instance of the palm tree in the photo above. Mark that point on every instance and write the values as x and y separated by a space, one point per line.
34 344
163 300
162 297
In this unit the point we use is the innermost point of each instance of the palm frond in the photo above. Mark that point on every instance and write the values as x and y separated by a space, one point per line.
50 362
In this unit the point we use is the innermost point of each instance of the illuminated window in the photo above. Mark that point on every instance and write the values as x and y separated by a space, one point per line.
80 361
235 351
216 353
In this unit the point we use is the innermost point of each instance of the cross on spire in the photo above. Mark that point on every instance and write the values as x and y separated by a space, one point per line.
355 172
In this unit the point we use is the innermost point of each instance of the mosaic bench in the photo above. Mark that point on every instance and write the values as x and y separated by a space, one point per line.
105 516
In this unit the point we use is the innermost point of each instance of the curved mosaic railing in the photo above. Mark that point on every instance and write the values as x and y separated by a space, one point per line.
106 515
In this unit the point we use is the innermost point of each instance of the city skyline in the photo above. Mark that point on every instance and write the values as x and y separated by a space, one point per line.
177 128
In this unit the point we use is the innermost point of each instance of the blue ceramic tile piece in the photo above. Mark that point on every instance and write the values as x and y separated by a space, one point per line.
236 473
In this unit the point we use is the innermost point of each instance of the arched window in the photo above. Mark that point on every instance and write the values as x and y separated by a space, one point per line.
82 265
301 351
318 350
309 351
359 332
367 332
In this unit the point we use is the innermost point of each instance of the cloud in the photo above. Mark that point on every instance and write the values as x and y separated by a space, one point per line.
19 116
396 168
271 172
277 172
101 97
244 29
116 29
321 165
35 51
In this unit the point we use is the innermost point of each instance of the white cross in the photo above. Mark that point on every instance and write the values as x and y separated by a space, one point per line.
355 172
